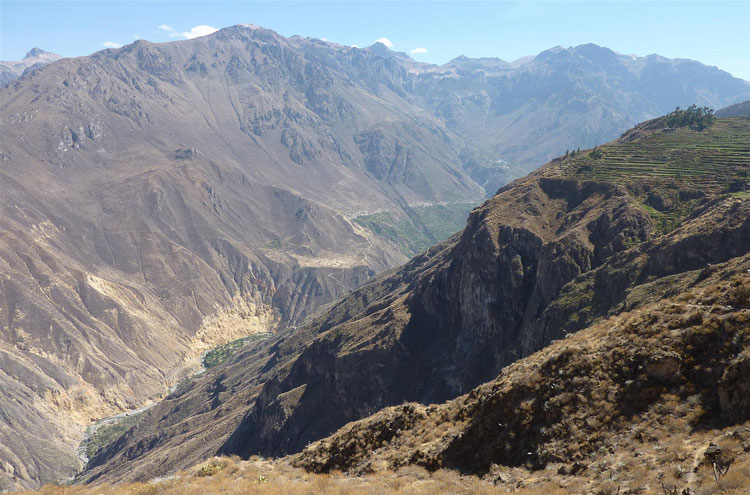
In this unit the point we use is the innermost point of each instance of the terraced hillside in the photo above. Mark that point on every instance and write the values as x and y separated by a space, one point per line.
671 170
663 157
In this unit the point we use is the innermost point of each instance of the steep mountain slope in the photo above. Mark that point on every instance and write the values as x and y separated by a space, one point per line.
159 200
549 254
34 59
621 401
651 401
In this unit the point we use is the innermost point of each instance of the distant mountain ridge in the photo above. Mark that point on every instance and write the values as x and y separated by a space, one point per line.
528 111
736 110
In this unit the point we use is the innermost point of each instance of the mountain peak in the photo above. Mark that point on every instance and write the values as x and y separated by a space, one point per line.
549 53
34 52
596 53
379 47
245 32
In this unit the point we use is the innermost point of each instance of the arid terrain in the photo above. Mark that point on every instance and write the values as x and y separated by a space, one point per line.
162 203
551 254
650 401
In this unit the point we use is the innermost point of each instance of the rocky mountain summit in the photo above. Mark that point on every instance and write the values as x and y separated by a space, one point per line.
576 242
34 59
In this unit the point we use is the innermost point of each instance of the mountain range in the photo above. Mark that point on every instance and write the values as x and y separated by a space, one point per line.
161 199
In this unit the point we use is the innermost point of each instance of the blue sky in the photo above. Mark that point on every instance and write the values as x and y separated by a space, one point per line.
713 32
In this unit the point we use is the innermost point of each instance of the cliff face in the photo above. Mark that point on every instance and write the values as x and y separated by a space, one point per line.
494 302
583 402
465 317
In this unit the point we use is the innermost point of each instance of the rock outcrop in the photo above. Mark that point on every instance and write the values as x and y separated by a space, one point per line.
578 399
734 389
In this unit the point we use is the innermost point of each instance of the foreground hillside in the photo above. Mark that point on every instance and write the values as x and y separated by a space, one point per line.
651 401
630 401
550 254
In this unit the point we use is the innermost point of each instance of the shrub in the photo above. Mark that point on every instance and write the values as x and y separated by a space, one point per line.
210 468
740 295
695 117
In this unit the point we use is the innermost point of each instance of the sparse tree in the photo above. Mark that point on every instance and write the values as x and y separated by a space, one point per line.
695 117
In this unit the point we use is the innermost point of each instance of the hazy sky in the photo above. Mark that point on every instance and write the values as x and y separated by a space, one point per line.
713 32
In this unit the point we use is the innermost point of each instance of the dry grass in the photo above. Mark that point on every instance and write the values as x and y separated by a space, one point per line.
608 476
265 477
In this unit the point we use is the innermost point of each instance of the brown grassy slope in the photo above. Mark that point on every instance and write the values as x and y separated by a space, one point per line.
227 476
634 398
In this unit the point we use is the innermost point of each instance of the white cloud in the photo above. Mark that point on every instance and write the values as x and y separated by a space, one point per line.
385 41
324 39
419 50
166 28
355 46
197 31
136 37
111 44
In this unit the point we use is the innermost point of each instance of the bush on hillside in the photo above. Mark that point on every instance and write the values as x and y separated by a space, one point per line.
695 117
596 153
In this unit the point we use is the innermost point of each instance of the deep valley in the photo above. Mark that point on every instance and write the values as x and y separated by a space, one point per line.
243 261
